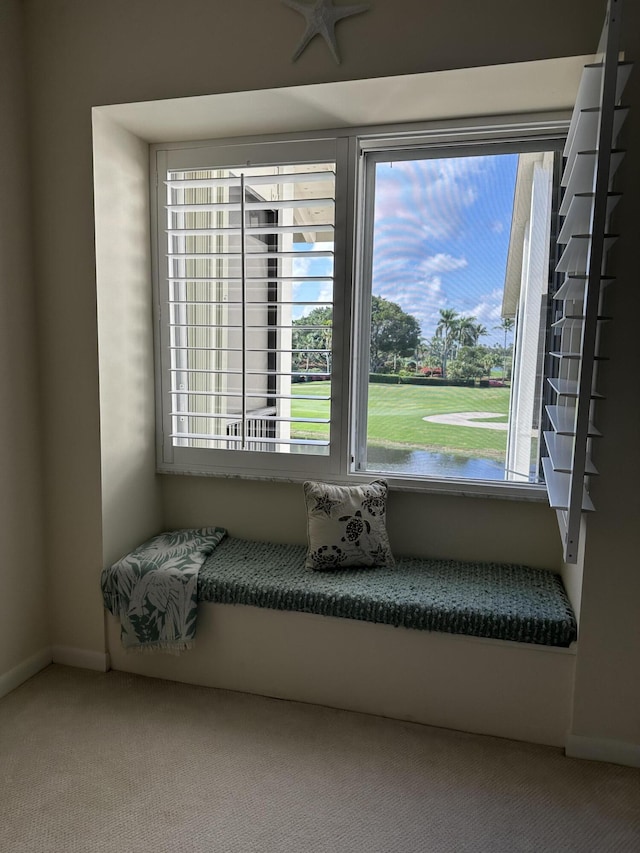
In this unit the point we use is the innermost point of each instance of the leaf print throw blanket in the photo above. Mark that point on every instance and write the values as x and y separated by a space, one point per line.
154 589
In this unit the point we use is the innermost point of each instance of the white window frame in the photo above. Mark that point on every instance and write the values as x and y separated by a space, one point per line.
350 345
382 150
255 463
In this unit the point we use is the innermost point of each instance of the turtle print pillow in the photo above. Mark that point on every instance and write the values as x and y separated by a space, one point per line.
346 526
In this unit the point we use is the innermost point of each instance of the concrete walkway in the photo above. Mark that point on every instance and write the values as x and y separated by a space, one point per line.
469 419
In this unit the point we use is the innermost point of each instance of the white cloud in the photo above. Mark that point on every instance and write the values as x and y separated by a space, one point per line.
487 312
420 204
432 244
429 195
421 297
301 266
441 263
405 275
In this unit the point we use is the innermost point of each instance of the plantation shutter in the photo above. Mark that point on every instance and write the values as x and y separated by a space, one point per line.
249 307
591 159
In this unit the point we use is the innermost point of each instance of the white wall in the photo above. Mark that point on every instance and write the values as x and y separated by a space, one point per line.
24 629
82 53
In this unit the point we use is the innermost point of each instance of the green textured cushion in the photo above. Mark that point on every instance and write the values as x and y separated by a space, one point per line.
499 601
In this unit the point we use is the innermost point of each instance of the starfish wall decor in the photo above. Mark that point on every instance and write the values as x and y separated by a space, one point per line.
322 17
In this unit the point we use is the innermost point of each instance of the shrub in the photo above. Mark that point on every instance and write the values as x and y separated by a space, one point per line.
384 378
431 380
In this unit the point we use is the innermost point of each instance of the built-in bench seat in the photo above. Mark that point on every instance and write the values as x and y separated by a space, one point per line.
288 643
491 600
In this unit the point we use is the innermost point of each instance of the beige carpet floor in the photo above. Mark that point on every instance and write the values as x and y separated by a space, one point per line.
112 762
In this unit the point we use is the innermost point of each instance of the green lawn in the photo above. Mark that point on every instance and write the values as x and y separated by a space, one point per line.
396 415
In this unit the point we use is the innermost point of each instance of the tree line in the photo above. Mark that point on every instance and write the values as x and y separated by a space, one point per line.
397 345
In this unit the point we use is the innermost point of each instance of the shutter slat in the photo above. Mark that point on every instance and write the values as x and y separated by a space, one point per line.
234 279
249 256
558 488
249 394
252 181
307 442
236 207
578 218
563 420
302 228
560 449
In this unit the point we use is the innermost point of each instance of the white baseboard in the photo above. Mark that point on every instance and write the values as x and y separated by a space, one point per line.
82 658
602 749
24 671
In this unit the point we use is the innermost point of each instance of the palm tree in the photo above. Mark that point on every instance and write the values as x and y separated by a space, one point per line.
480 331
447 329
422 353
506 324
467 335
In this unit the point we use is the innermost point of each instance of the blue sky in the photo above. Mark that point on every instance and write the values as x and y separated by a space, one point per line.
314 291
441 237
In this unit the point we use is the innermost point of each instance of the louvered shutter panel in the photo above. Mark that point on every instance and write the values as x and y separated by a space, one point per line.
591 160
249 256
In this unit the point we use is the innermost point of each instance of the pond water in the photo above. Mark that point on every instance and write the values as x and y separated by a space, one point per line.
433 464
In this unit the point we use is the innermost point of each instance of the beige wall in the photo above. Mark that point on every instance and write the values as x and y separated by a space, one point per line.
131 501
24 628
420 525
494 687
607 689
83 53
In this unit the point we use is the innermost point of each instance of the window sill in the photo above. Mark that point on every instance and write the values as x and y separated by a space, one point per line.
458 488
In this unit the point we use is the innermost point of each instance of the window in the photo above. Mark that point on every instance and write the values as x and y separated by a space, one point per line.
247 305
456 254
356 305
